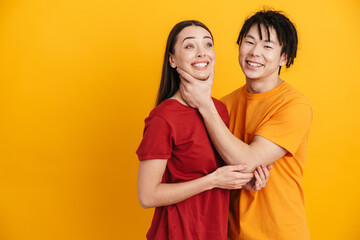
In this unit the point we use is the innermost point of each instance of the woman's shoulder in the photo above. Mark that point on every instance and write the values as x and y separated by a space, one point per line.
168 109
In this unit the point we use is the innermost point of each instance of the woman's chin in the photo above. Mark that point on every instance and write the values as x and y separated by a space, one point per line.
202 77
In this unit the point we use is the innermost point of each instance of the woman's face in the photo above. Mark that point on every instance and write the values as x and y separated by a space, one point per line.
194 52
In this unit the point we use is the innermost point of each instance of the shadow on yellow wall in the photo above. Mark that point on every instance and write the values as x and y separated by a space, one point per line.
78 78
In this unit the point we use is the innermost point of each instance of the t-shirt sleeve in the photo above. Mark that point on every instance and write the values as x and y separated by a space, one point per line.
157 139
288 127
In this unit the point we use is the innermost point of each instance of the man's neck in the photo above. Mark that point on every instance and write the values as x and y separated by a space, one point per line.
261 86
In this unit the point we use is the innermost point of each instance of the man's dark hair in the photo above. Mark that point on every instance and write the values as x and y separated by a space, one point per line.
285 31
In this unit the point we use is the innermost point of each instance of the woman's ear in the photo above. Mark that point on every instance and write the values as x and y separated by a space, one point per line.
172 60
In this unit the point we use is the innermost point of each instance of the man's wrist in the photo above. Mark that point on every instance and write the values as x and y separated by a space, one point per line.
208 107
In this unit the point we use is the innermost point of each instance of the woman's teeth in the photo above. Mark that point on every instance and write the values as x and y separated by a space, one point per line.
200 65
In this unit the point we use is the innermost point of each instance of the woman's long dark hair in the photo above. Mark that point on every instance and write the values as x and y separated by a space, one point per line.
170 80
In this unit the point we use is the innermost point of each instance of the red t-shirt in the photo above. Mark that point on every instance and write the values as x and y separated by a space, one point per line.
176 132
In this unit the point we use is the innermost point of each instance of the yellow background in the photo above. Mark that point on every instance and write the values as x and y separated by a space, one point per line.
77 79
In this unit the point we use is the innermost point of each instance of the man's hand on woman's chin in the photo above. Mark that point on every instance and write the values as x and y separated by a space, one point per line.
196 92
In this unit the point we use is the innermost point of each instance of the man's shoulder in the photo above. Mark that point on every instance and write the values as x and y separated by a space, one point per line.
232 96
291 95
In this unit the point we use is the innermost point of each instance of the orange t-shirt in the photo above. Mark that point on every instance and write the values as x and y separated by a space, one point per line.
283 116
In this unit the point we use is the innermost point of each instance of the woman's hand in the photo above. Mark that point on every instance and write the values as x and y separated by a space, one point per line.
152 192
195 92
261 177
231 177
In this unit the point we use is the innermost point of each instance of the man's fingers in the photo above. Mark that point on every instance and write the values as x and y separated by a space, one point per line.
211 76
259 179
269 167
261 172
266 172
185 76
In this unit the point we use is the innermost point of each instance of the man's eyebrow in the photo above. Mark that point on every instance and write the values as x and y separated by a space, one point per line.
269 41
249 36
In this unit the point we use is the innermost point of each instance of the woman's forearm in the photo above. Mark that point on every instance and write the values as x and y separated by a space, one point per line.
171 193
153 193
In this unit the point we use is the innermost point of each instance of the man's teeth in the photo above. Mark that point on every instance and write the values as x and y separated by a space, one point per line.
254 64
200 64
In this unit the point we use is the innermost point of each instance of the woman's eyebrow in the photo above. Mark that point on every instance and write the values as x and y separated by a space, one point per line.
188 38
194 37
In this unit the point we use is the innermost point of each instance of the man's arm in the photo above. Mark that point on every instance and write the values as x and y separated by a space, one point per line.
233 151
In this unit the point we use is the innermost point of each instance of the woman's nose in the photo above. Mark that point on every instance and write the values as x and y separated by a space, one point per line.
200 52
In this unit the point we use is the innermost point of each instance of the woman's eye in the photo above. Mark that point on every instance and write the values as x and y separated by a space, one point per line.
189 46
209 45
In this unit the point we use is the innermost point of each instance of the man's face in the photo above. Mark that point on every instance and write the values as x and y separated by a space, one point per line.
260 59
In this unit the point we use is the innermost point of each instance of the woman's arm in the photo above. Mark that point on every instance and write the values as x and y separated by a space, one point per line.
153 193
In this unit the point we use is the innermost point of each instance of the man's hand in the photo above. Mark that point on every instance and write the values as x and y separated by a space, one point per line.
195 92
261 177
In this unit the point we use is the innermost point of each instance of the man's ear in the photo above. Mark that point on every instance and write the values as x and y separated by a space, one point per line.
283 59
172 60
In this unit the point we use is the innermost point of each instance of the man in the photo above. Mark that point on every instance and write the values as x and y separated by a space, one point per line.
270 123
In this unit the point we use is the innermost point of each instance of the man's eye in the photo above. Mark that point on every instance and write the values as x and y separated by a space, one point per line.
269 47
248 42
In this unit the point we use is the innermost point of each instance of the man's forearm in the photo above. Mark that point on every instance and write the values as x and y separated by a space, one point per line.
234 151
231 149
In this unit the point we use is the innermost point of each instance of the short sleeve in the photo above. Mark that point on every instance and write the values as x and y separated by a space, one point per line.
288 127
157 139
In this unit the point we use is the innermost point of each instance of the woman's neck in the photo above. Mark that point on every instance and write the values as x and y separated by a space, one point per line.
177 96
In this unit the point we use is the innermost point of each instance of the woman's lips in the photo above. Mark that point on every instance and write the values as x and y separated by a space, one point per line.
200 65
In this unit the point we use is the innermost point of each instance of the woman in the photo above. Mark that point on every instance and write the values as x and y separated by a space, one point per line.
180 172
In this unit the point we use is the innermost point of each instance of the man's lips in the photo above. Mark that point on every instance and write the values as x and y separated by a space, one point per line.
254 64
